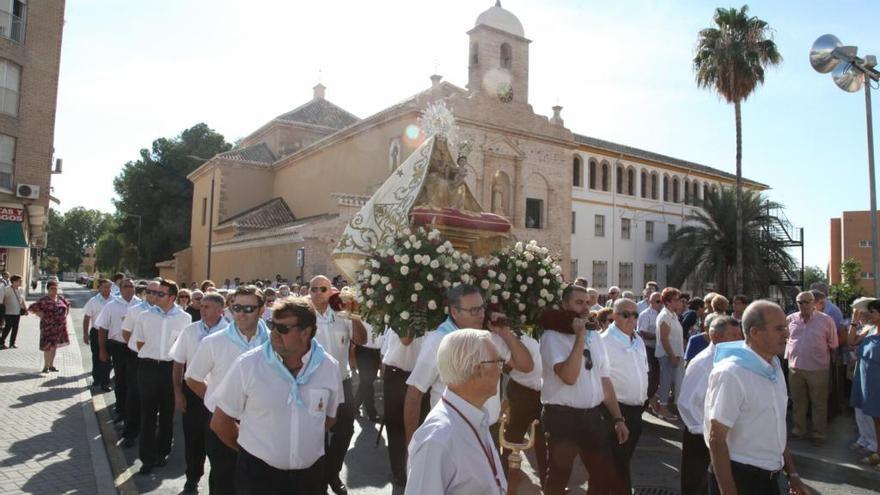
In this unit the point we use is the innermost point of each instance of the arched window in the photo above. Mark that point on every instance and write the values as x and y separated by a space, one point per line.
695 193
665 187
619 172
394 155
714 189
654 185
644 181
705 191
631 181
475 54
506 56
576 172
605 174
687 192
592 174
676 196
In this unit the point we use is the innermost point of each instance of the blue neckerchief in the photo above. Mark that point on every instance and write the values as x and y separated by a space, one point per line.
623 338
259 339
106 300
739 353
145 305
171 312
317 356
447 326
207 330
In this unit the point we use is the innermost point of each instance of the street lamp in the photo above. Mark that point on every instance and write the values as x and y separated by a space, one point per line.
850 73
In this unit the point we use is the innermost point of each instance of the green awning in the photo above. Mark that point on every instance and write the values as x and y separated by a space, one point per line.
12 235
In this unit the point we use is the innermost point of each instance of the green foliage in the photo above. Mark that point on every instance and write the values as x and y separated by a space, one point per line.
108 252
848 289
51 264
72 232
812 275
155 192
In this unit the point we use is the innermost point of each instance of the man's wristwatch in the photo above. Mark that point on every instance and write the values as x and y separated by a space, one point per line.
619 420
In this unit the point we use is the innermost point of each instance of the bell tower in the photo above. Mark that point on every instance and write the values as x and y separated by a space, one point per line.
498 57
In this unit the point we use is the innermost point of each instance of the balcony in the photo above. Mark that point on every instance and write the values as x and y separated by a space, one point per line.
11 26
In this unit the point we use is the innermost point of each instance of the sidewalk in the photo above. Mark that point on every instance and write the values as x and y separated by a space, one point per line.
49 437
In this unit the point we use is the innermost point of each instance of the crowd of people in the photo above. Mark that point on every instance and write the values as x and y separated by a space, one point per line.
262 376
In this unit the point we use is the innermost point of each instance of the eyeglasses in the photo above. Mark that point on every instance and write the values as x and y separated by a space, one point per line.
243 308
159 293
588 360
128 287
196 299
657 301
316 289
151 292
628 314
282 329
476 310
499 362
805 302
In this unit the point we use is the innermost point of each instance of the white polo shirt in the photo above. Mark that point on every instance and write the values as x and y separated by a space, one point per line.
131 318
112 315
628 362
447 458
158 330
647 323
184 348
373 341
334 335
676 339
94 306
587 391
394 353
753 407
532 379
272 427
214 357
692 398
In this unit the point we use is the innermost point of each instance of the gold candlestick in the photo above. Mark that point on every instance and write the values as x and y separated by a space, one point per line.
514 461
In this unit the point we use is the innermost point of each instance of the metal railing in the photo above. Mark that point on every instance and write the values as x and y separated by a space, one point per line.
11 26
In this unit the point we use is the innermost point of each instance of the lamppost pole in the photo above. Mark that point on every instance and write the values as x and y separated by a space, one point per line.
875 249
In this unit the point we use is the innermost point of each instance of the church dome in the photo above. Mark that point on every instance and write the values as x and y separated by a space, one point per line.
499 18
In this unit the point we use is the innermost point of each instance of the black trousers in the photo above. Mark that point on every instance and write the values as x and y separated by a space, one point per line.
577 432
100 370
337 440
119 358
10 325
368 362
255 477
394 389
132 395
749 479
157 409
221 478
653 373
623 453
694 464
194 420
525 407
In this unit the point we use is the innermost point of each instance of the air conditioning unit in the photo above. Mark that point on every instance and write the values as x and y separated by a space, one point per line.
28 191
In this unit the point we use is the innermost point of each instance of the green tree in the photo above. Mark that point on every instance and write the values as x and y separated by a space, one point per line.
731 58
108 252
849 288
812 275
70 233
704 250
155 197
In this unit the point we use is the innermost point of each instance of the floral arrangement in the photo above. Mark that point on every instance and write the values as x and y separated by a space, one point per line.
521 282
404 284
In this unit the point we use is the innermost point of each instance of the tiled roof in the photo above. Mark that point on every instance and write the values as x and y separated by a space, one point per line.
271 214
320 112
258 153
649 155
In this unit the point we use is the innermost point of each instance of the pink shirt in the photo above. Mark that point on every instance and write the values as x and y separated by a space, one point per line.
810 343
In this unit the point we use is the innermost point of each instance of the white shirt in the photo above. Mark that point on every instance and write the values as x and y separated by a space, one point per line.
532 379
596 307
373 341
158 330
273 427
112 315
184 349
212 361
692 398
676 337
447 458
753 408
94 306
628 362
394 353
587 391
131 318
334 334
648 323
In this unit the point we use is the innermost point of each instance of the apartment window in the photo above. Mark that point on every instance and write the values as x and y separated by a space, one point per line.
573 222
649 232
7 161
12 19
576 172
534 213
600 226
204 210
864 244
625 228
867 275
625 275
600 273
619 175
574 269
650 272
10 79
671 228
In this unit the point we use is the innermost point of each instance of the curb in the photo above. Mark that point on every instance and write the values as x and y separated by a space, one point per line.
854 474
122 473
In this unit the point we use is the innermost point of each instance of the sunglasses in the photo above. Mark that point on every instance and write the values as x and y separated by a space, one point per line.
805 302
476 310
499 362
588 360
316 289
628 314
159 293
280 328
243 308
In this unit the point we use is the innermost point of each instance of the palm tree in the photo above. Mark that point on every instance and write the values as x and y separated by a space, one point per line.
704 250
731 59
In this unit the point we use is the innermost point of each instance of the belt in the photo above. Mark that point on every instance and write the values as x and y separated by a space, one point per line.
395 369
155 361
574 410
771 475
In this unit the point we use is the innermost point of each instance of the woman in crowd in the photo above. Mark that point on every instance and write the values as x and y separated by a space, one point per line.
865 393
183 298
52 310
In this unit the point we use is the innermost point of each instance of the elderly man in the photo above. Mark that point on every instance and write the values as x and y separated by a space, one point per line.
593 298
111 344
452 452
646 326
93 308
650 288
613 294
577 383
813 339
628 362
744 415
694 454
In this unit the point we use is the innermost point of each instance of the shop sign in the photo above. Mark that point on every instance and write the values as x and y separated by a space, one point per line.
11 214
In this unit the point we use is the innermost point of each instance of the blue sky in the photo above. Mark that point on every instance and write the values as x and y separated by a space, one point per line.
135 71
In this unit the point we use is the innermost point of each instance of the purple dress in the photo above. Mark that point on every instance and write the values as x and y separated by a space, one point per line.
53 324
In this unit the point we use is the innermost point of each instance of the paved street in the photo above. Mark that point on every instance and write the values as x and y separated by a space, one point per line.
50 440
